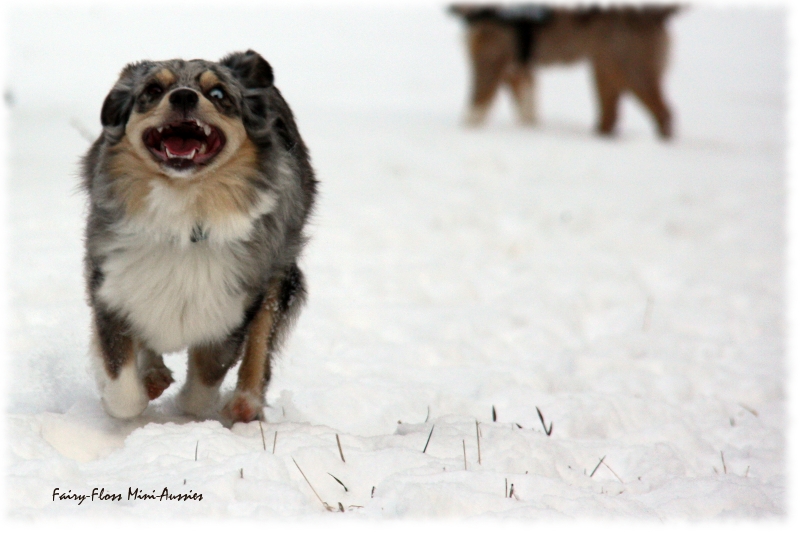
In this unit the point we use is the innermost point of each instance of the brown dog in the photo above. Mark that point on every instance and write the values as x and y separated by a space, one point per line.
626 46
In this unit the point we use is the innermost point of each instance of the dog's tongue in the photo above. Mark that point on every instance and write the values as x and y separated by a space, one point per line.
181 146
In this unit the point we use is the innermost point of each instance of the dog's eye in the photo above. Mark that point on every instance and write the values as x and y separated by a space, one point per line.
153 89
216 93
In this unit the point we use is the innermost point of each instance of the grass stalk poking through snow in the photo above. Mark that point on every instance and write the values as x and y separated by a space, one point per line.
338 481
263 442
327 507
547 430
274 442
478 437
339 444
494 414
196 446
464 447
429 439
612 471
598 465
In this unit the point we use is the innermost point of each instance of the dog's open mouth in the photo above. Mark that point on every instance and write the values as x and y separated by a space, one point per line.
182 145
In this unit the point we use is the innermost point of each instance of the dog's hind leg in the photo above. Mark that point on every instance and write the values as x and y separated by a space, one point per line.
521 81
609 89
647 90
281 305
122 389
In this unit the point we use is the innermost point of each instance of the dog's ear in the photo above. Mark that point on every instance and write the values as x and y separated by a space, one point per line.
250 69
116 108
118 104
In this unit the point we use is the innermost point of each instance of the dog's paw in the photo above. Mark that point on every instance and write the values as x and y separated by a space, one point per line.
244 407
126 396
156 381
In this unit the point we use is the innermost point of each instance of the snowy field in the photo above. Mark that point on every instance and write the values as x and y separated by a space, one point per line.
631 290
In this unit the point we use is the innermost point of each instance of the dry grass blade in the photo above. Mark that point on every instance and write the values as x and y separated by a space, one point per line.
506 493
274 442
241 473
372 494
724 466
648 313
464 447
598 465
748 408
429 439
196 446
327 507
341 507
428 415
612 471
339 444
263 442
478 437
547 430
511 492
494 414
339 482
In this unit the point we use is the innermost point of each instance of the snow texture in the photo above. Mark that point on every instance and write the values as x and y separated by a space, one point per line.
630 289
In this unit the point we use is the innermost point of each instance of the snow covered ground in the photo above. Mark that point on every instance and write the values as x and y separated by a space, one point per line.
631 290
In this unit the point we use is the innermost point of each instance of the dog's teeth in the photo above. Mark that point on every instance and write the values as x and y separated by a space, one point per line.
207 130
203 148
160 129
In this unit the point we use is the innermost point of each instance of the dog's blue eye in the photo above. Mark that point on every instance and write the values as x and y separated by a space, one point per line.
217 93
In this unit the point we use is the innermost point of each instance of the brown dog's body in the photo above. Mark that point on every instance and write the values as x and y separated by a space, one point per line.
626 47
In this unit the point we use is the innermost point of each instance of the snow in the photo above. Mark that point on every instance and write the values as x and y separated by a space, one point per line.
631 290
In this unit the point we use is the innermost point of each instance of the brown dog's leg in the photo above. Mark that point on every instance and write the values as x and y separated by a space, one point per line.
649 93
520 80
284 297
491 50
122 390
609 90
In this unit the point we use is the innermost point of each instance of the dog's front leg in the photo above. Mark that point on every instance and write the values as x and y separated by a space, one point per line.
208 365
122 389
282 302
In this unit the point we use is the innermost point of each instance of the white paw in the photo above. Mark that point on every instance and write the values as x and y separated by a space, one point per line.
126 396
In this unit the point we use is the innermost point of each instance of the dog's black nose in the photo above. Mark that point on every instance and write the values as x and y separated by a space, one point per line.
183 99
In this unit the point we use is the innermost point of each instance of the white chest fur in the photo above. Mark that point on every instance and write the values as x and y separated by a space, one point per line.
176 293
173 295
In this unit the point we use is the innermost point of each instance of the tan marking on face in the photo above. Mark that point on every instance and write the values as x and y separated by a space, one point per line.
213 192
208 80
163 113
213 196
166 77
